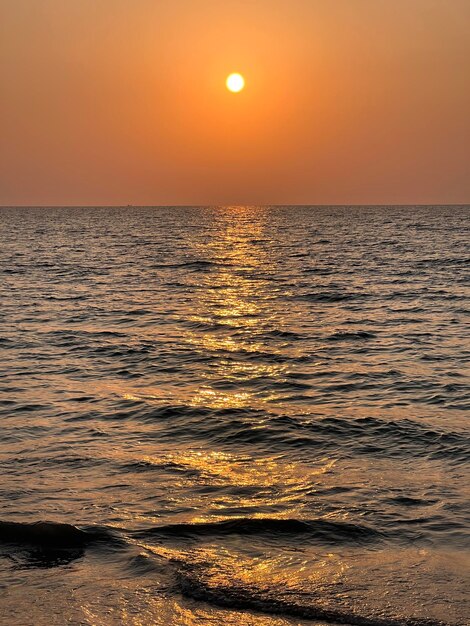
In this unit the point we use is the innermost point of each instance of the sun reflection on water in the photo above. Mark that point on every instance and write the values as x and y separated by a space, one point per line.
235 301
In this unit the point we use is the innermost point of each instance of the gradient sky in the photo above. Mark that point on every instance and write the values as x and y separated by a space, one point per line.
124 102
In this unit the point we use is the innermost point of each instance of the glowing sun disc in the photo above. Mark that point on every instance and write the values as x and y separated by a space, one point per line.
235 82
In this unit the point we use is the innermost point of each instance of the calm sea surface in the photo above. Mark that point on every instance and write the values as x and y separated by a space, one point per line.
239 416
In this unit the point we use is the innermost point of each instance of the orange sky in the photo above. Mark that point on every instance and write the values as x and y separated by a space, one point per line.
124 101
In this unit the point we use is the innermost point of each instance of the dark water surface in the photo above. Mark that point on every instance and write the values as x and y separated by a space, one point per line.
240 416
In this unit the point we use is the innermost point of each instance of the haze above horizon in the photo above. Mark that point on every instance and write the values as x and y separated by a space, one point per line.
125 102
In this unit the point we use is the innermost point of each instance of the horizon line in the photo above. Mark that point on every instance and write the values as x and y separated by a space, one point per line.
234 205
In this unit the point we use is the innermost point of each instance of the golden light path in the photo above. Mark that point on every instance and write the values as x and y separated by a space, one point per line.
235 82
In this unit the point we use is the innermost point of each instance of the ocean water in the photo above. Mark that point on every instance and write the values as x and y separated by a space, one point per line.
239 416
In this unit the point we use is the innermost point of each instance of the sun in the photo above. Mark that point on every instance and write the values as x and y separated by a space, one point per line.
235 82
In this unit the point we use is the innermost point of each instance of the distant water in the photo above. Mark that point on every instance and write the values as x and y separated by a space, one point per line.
238 416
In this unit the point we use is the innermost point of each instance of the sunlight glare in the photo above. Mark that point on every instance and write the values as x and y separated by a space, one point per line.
235 82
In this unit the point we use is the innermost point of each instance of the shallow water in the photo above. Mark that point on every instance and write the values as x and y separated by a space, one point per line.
244 415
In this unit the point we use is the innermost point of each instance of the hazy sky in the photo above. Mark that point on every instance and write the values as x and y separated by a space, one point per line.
124 101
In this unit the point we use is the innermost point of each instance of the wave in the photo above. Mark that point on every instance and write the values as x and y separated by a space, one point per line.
209 326
442 262
327 296
324 531
52 534
320 271
351 336
242 598
66 298
368 436
392 438
60 543
195 265
283 334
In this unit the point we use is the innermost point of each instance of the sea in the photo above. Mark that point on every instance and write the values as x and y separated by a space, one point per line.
237 416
